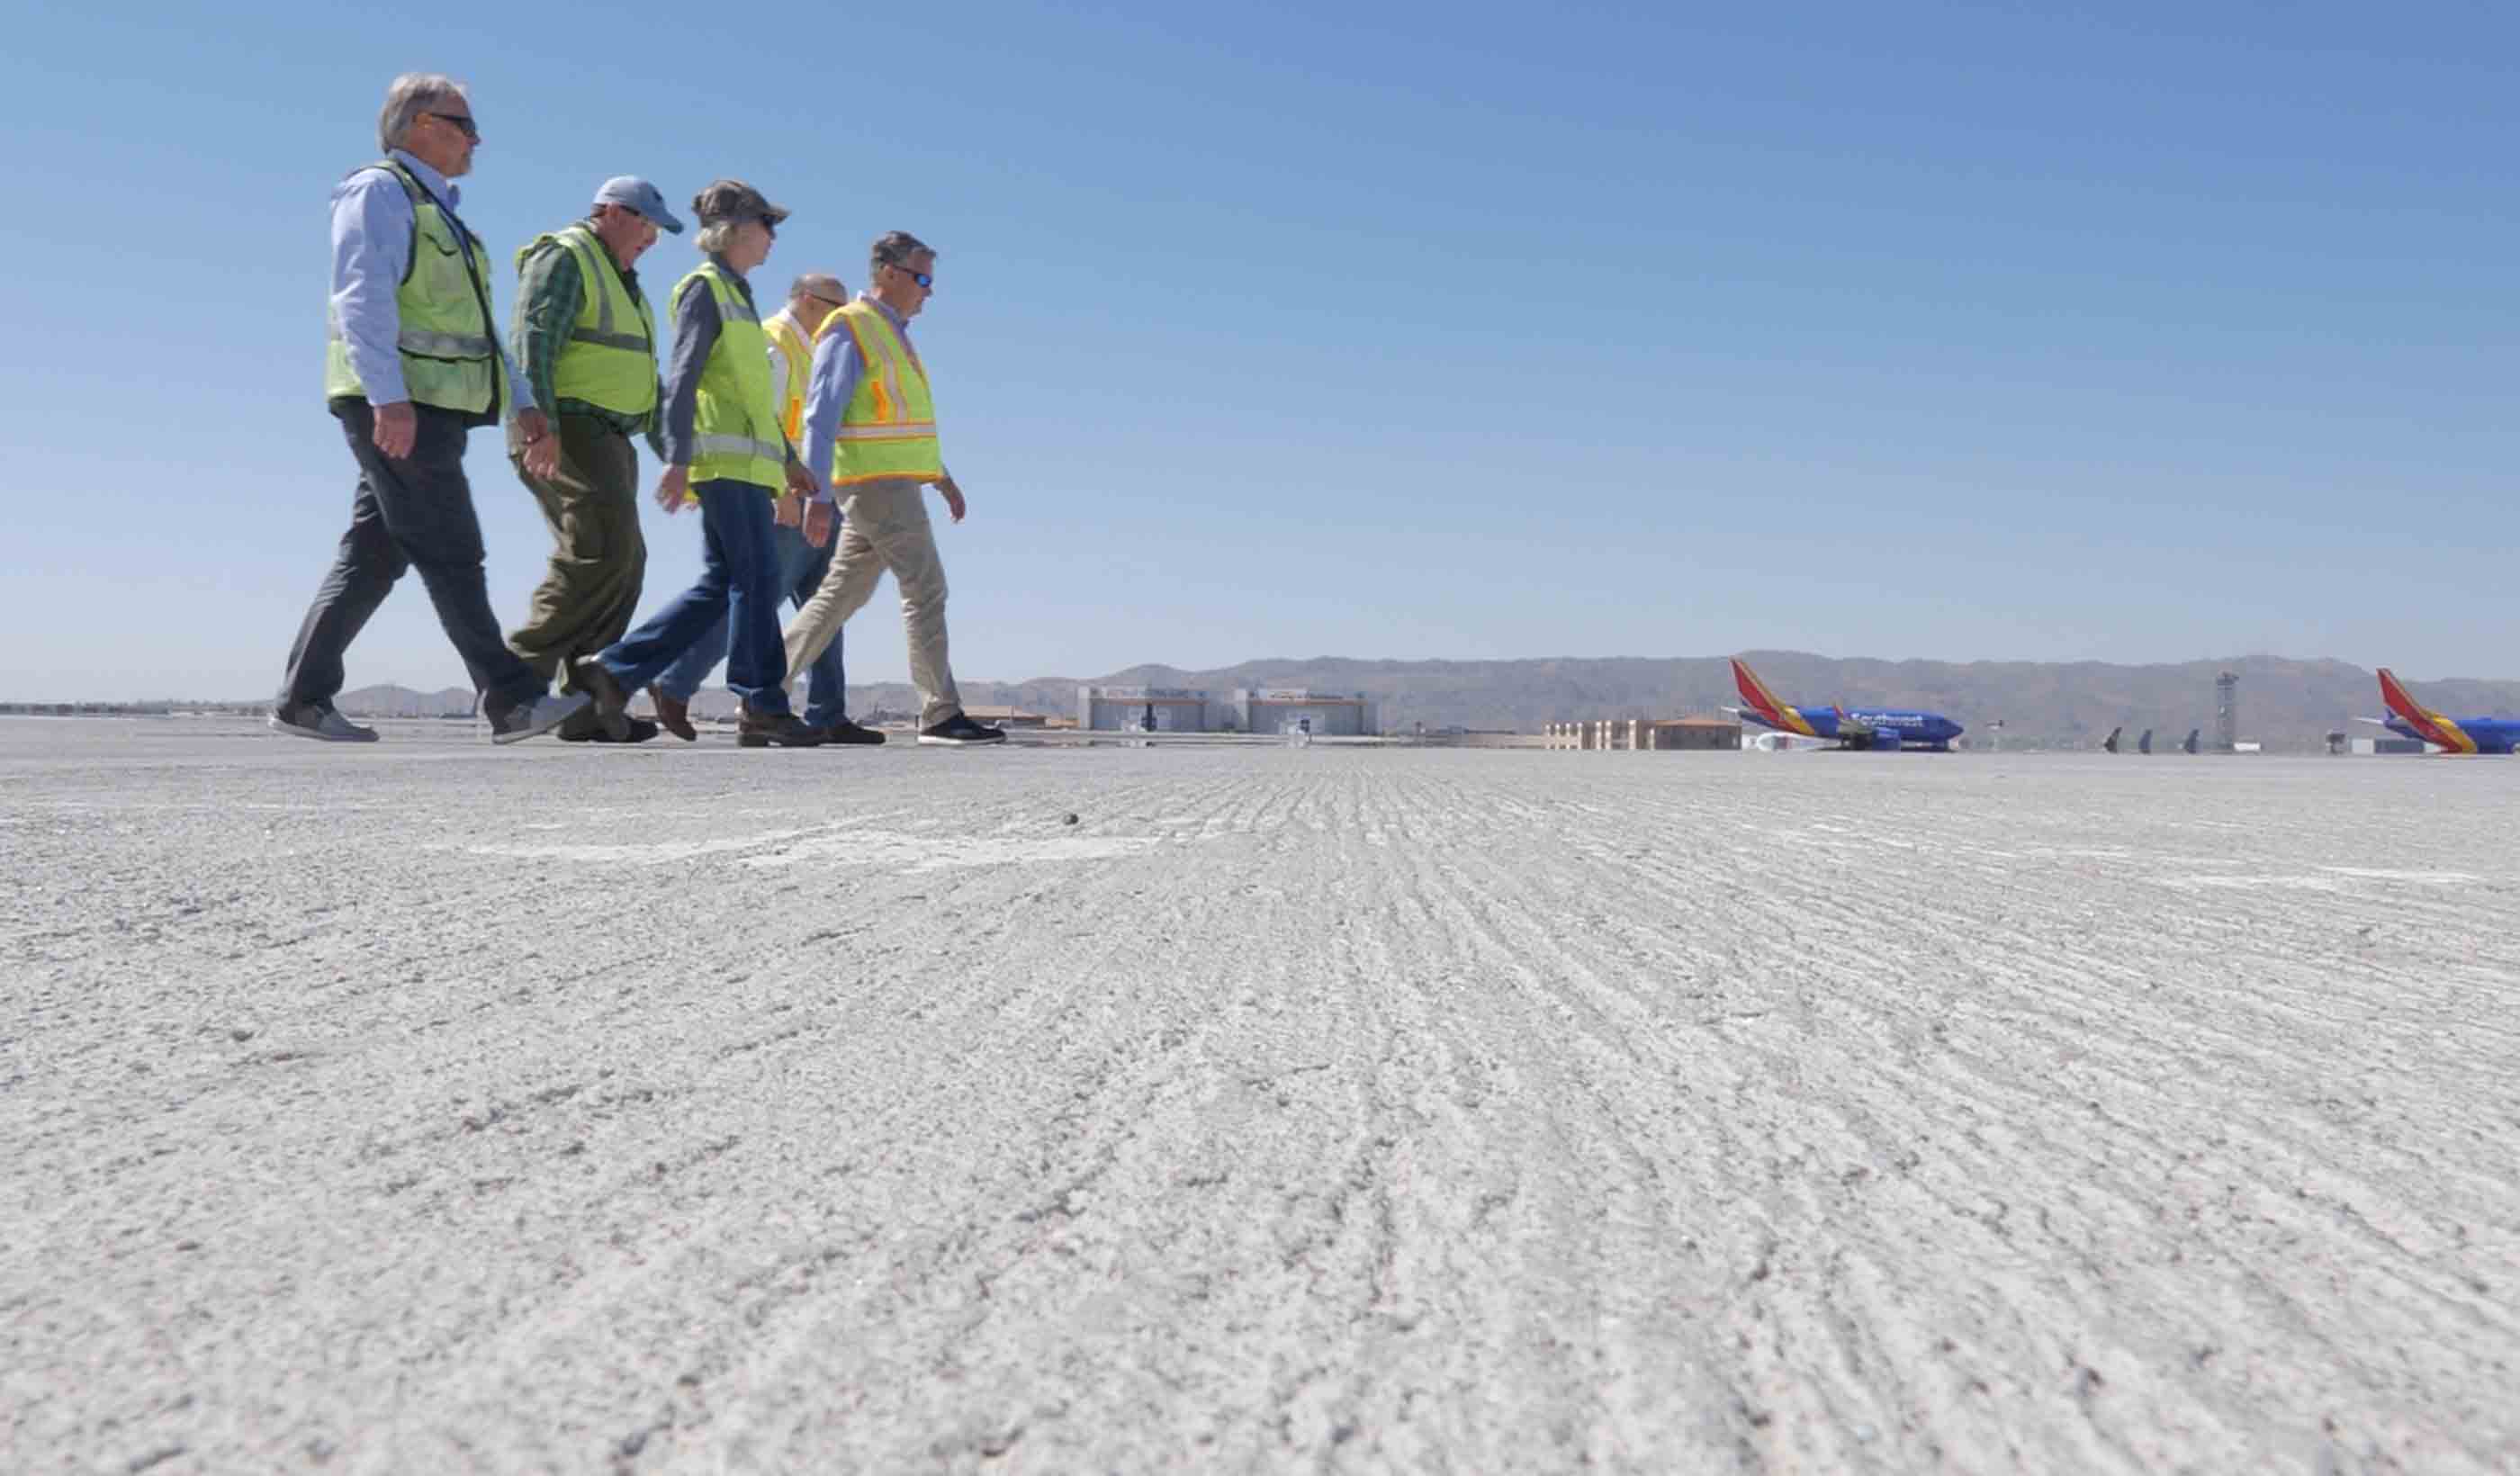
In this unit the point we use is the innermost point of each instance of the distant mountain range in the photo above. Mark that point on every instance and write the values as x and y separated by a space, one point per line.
2286 703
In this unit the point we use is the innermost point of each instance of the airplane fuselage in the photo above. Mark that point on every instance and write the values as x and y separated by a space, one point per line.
1916 730
2492 734
1883 728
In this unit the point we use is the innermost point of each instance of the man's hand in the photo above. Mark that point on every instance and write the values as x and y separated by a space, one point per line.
801 483
953 498
818 523
672 488
787 510
397 427
542 448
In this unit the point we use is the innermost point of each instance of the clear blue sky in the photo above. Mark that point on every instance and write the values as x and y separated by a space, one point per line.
2129 333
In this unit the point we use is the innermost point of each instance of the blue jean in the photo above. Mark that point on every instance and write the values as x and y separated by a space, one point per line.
800 573
738 592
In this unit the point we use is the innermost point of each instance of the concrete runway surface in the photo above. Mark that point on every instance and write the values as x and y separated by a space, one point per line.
433 1107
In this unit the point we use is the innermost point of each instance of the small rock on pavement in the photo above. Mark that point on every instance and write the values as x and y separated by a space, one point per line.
1070 818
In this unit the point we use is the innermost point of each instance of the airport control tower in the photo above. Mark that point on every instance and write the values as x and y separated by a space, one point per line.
2227 712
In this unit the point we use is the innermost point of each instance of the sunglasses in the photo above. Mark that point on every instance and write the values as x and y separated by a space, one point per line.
463 122
922 277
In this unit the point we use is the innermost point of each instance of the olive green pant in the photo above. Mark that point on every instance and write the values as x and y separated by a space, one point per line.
599 556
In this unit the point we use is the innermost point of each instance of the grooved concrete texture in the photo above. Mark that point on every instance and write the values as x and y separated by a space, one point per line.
429 1106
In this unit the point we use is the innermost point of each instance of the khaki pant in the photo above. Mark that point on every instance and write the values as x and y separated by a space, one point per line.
884 527
599 556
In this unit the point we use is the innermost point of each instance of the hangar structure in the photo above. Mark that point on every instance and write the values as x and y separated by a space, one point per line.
1144 709
1249 709
1294 709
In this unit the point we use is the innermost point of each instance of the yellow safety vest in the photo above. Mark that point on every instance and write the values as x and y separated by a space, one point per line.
888 432
609 359
735 432
442 312
796 352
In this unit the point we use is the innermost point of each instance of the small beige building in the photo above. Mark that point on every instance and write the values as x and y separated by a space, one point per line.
1694 733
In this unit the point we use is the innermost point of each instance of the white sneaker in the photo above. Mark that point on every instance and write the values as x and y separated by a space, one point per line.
321 722
539 716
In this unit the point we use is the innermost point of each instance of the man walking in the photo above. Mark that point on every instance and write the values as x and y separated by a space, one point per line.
811 298
411 367
723 445
587 339
870 431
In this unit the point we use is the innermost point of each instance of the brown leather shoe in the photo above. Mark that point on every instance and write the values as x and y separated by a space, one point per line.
762 729
674 715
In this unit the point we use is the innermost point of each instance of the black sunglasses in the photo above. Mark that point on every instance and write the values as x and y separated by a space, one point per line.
922 277
463 122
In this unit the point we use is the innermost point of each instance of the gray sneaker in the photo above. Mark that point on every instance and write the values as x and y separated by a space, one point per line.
541 715
320 721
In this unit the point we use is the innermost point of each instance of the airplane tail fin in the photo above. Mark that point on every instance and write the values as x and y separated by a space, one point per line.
2110 744
2430 726
1764 702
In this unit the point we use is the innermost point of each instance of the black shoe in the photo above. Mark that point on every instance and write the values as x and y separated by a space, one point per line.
586 728
959 730
597 681
761 730
845 731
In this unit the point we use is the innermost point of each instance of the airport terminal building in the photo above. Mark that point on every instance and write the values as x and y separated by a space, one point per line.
1246 709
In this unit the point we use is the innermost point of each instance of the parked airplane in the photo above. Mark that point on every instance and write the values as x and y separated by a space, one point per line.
2109 745
2143 745
1862 727
2411 719
2188 745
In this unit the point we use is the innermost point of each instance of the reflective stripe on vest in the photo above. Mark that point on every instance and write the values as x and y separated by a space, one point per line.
738 445
735 428
441 312
597 364
436 345
797 364
889 431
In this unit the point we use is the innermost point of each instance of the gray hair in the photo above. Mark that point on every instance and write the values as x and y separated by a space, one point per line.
814 284
895 248
716 236
408 98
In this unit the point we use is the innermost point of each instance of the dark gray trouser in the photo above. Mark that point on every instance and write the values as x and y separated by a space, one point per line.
598 554
412 513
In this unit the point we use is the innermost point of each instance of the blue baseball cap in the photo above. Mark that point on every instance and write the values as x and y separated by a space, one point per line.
630 191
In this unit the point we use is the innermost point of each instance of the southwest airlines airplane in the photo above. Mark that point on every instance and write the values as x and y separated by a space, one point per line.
2413 719
1879 728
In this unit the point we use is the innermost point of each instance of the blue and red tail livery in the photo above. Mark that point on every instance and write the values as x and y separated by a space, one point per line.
1858 728
2413 719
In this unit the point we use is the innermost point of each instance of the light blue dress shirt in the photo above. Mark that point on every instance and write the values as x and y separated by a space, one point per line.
836 368
371 224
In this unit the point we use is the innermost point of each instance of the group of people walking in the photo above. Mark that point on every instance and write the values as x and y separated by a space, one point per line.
807 439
